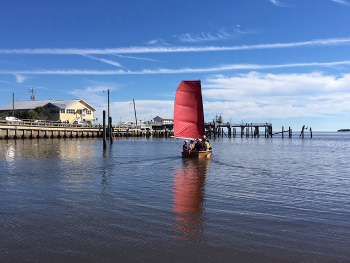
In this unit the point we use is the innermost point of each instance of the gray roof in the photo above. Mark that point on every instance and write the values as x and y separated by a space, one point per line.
26 105
63 103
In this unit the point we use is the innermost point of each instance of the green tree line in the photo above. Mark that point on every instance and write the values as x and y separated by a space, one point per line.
39 113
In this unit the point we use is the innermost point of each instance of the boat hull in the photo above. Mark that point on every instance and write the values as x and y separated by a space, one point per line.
197 154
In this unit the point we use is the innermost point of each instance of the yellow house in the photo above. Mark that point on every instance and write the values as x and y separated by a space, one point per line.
57 110
70 111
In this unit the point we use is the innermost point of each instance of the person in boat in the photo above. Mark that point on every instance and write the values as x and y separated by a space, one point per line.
186 146
191 145
207 145
200 146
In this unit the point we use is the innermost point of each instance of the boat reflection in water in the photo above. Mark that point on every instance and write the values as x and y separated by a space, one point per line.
188 197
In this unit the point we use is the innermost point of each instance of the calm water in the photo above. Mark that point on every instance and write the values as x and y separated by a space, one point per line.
256 200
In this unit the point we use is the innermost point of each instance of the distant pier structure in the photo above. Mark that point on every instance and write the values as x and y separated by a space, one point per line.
218 128
215 129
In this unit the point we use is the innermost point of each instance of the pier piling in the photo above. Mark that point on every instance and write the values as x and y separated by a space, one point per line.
104 130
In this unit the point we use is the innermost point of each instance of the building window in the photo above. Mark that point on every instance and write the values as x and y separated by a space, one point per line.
53 111
71 111
88 112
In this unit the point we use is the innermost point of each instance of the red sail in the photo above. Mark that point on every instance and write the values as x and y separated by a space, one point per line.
188 110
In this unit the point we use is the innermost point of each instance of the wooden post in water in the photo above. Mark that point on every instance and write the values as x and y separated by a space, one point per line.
110 131
242 131
104 130
311 132
256 132
270 130
302 132
290 132
282 132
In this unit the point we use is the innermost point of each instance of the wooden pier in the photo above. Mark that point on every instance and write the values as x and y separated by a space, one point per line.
37 130
22 130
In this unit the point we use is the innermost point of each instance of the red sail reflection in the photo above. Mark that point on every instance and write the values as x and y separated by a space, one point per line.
188 196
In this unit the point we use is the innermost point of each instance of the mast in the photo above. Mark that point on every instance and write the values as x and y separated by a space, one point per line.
13 104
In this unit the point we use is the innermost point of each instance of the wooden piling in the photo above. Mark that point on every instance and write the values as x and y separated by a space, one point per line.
302 132
104 130
110 131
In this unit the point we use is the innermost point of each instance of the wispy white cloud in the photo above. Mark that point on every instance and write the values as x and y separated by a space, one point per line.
157 42
107 61
257 95
342 2
204 36
228 67
137 58
94 94
167 49
254 85
20 78
278 3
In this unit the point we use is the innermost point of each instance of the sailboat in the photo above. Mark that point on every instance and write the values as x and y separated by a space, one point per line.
189 117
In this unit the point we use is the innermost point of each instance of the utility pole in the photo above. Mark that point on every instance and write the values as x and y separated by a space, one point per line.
135 111
32 90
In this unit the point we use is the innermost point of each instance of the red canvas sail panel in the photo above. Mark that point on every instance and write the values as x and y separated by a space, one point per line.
188 110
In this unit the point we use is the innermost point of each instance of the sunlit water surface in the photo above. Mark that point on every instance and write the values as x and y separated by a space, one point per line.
256 200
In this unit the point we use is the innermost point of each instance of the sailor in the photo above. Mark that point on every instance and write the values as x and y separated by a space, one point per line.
191 145
207 145
185 147
200 146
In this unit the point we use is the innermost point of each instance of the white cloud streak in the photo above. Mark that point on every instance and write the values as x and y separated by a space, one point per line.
166 49
275 2
110 62
203 37
136 58
342 2
228 67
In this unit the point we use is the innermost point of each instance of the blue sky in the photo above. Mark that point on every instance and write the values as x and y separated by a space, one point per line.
284 61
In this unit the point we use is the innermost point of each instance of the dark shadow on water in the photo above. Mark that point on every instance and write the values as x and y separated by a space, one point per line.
188 200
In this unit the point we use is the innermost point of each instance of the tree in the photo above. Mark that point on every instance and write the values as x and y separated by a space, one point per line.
32 114
41 113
